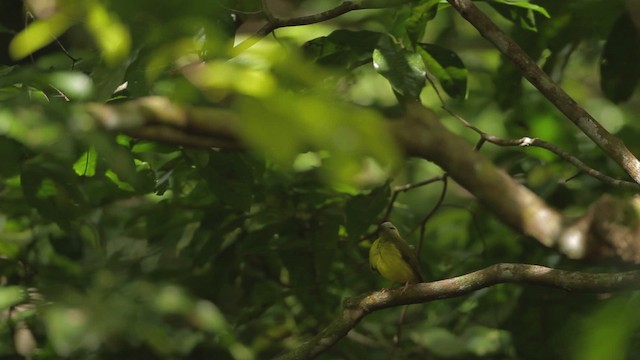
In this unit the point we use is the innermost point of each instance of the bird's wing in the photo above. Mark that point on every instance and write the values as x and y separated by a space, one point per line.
409 256
372 255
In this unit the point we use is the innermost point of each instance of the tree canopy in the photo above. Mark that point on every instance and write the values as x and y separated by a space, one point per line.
203 179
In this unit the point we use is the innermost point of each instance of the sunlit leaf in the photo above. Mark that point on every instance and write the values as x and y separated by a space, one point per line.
86 164
111 35
116 180
285 126
41 32
30 128
73 85
67 329
10 295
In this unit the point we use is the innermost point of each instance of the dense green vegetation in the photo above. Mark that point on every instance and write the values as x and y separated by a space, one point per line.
237 228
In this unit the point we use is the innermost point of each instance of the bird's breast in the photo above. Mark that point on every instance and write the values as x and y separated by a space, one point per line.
386 258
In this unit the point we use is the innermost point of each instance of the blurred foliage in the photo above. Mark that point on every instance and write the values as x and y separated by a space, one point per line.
115 247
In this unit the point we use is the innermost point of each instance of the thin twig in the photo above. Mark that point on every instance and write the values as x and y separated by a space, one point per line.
398 337
406 187
267 12
73 59
237 11
433 210
535 142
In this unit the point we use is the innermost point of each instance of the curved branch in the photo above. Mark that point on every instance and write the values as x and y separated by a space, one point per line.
354 309
613 146
274 22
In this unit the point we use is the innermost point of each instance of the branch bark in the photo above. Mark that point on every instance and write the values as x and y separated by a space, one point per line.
356 308
613 146
421 134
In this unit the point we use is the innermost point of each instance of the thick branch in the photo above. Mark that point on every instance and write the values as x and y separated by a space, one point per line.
157 118
421 134
356 308
613 146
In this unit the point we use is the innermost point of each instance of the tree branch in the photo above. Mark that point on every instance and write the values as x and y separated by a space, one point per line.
613 146
157 118
356 308
274 22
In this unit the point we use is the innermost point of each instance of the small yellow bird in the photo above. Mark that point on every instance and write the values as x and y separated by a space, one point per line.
392 257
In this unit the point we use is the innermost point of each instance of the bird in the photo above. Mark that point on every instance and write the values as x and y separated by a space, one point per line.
392 257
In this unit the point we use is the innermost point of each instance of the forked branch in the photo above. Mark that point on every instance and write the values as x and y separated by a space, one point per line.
613 146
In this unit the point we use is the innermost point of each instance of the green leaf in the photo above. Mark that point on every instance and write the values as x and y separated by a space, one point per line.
411 21
122 185
41 32
447 67
403 69
67 328
86 163
111 35
11 295
286 125
122 166
74 85
33 128
520 12
343 48
616 321
619 70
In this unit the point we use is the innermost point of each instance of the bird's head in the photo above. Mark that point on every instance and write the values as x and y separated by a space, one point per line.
387 229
